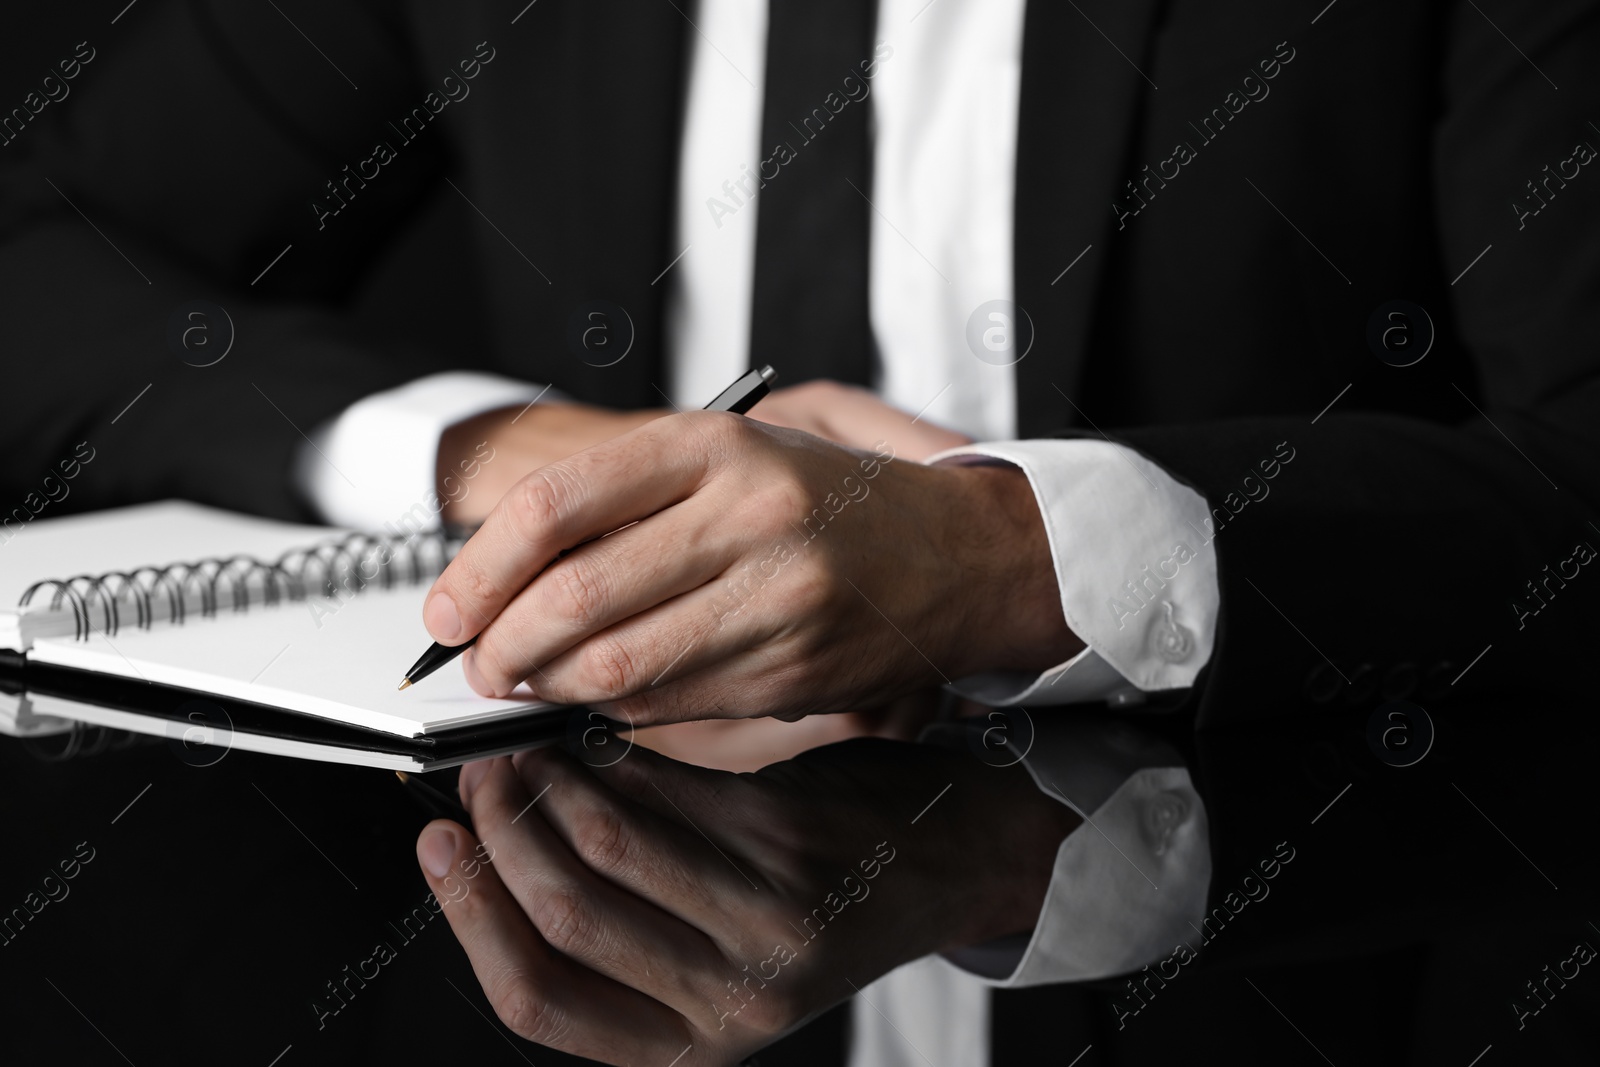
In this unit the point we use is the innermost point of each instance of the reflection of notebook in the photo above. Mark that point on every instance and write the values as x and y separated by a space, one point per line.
20 717
201 731
243 616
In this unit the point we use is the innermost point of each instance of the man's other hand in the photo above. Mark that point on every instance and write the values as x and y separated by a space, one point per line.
854 417
482 457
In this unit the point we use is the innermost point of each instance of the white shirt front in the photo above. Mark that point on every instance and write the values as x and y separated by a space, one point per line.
944 117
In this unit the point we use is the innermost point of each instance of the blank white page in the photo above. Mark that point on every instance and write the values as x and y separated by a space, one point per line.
343 666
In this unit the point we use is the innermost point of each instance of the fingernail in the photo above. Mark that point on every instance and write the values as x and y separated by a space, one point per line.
471 775
437 849
441 618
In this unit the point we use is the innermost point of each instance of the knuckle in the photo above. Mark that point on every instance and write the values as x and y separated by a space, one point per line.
474 584
609 666
564 918
580 591
530 1016
540 501
604 842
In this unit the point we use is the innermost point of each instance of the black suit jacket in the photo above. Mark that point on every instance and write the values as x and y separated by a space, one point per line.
1215 315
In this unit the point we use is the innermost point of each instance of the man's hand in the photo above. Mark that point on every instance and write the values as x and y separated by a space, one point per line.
482 457
760 571
653 912
854 417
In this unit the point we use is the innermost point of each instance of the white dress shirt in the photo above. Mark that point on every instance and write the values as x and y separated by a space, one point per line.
944 152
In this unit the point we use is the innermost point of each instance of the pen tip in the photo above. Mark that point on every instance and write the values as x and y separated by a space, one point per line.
405 683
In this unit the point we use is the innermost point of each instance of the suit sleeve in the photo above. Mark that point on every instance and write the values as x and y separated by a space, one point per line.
180 163
1363 554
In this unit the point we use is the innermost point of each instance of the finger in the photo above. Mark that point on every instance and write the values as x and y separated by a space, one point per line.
684 793
666 859
585 917
567 502
540 994
705 627
761 681
597 585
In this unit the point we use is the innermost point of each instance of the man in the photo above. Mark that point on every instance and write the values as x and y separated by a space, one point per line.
1156 183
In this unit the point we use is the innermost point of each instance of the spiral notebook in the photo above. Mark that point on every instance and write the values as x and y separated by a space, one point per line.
189 600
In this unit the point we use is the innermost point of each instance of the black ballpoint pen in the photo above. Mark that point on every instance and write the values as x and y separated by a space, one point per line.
738 398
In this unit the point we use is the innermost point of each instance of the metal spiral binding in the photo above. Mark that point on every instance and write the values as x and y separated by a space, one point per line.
242 580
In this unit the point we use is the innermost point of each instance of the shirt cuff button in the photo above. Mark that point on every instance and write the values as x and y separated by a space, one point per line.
1173 641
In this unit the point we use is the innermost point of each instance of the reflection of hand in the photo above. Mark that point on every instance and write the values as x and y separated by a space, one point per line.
481 457
765 572
651 910
854 417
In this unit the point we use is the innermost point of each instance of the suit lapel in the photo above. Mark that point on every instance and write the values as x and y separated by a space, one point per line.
1081 93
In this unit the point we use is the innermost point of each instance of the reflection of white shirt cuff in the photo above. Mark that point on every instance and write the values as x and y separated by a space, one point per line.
375 463
1134 564
1127 884
1130 880
1103 914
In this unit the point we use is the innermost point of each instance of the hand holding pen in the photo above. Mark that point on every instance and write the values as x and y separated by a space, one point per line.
706 565
738 398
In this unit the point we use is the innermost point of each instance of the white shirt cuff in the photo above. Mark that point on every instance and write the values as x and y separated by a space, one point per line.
373 466
1133 561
